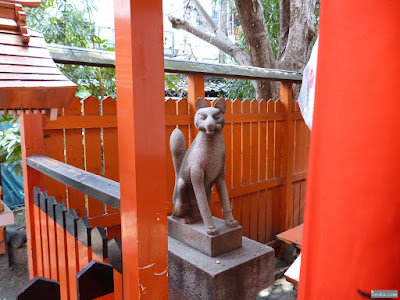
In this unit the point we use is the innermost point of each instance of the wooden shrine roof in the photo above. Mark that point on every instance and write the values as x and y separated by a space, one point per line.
29 78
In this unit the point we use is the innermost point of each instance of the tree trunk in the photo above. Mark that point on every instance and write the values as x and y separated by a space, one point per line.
252 20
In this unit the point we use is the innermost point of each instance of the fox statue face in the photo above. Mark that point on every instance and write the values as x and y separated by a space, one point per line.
210 119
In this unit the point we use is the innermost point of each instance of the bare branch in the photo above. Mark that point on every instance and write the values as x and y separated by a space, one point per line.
220 41
205 15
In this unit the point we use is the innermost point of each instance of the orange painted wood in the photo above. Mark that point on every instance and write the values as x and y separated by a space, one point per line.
118 286
32 143
107 297
303 185
45 244
237 162
85 255
53 251
170 110
110 145
54 144
141 142
73 264
245 151
77 122
63 264
2 241
106 220
38 242
74 156
92 150
228 145
254 171
277 192
292 236
270 171
353 190
261 220
287 155
195 90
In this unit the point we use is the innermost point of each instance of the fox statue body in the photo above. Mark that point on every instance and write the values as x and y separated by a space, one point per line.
202 166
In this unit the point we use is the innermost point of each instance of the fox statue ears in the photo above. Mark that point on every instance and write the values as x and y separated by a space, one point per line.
220 104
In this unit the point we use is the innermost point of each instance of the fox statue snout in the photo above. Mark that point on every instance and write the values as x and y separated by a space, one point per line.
200 167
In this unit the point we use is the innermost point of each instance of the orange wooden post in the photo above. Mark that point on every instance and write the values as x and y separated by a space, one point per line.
141 144
31 143
287 156
351 239
2 241
195 90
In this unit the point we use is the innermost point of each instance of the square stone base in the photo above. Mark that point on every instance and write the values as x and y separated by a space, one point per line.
239 274
195 236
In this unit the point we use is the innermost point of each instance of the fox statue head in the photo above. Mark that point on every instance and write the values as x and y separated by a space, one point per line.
210 119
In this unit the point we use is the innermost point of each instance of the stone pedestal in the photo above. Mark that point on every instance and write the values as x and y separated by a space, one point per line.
195 236
238 274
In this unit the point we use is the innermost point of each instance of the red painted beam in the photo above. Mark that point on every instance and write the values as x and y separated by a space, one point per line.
141 143
351 242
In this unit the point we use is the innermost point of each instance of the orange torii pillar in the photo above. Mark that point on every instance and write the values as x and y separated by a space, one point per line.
141 141
351 241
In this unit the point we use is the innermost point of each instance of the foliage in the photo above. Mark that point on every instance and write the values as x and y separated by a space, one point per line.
62 22
170 81
10 145
239 89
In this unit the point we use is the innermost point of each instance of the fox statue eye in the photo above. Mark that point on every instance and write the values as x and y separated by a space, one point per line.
217 115
203 117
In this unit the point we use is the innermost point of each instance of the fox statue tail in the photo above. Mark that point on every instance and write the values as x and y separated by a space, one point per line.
177 145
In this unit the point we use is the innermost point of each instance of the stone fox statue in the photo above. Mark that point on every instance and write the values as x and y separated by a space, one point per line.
202 166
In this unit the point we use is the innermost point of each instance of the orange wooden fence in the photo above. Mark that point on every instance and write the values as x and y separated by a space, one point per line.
85 136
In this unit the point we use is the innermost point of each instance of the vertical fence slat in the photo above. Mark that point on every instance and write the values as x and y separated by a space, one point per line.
195 90
276 223
287 155
237 162
99 244
62 251
38 235
110 145
228 145
245 150
92 153
170 109
254 173
270 170
115 251
71 219
51 206
84 242
32 143
74 157
54 145
262 203
45 235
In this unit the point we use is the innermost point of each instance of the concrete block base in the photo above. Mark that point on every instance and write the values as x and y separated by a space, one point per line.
239 274
195 236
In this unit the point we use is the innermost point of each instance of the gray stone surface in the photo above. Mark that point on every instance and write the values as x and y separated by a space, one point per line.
239 274
195 235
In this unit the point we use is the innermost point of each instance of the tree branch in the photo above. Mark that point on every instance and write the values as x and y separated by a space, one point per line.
205 15
284 8
220 41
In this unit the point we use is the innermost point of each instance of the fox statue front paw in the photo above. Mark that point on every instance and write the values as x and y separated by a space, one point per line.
212 231
231 223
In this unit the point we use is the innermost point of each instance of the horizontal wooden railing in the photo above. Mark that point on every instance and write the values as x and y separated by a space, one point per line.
90 57
102 189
